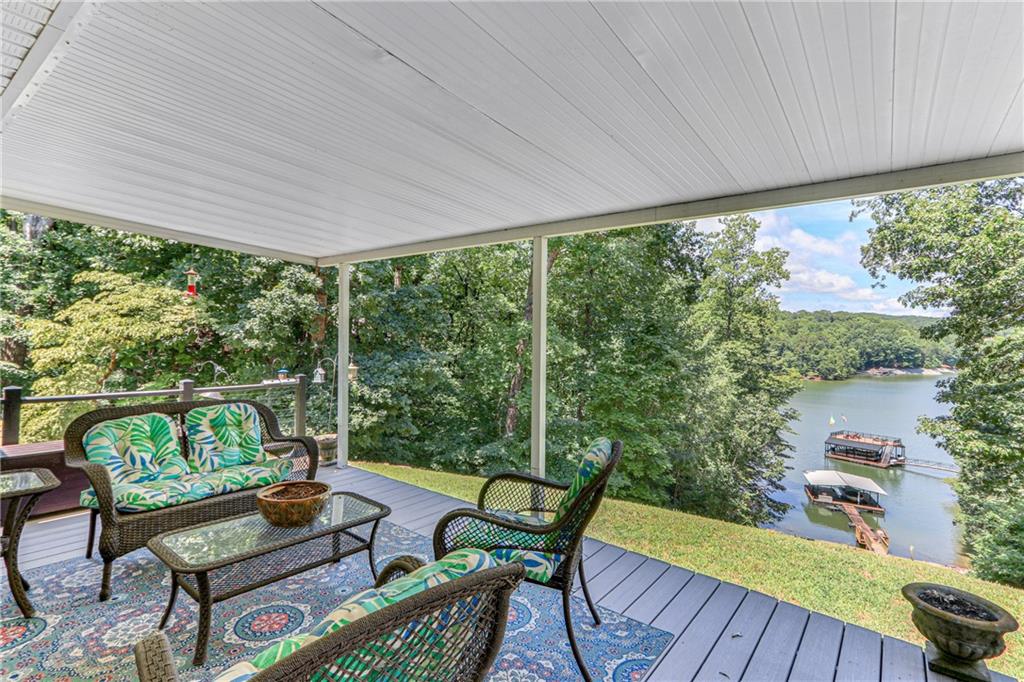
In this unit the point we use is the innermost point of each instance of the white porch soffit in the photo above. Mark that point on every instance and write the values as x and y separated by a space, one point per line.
315 130
21 22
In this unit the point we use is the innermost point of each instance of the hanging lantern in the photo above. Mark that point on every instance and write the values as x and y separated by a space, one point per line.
353 369
193 277
318 375
282 374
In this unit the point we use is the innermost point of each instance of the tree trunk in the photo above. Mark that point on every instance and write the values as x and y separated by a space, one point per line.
515 385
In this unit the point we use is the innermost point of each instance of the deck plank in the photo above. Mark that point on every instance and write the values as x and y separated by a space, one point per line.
590 545
662 592
902 661
433 515
860 657
614 574
688 652
677 613
600 560
728 659
622 596
773 658
819 649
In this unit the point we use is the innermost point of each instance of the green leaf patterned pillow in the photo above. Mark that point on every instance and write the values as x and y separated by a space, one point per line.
594 462
222 436
137 449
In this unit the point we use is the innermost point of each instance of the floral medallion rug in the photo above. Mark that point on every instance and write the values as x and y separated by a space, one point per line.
73 637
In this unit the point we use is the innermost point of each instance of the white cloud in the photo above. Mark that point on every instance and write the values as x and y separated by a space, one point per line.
892 306
861 294
708 225
818 281
778 230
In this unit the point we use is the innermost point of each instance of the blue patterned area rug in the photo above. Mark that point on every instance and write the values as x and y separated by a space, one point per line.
73 637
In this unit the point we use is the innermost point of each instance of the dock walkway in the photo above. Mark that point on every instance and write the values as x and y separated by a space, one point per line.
867 536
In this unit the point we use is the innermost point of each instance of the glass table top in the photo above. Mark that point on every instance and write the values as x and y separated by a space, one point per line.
19 481
241 536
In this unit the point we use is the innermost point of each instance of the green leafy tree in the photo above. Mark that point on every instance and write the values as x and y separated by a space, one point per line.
964 246
733 458
125 336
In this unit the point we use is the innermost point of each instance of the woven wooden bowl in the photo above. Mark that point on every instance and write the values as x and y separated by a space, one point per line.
278 509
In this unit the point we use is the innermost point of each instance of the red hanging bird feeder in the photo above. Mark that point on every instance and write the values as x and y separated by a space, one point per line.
193 277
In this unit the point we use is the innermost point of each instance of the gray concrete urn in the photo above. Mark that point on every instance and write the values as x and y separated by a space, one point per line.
958 644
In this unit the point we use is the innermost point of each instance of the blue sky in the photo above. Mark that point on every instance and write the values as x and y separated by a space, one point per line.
824 260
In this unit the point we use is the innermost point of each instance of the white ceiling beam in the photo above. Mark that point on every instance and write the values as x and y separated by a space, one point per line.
24 206
65 23
1005 165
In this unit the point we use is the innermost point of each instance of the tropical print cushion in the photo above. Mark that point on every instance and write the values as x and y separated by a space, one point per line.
483 533
594 462
244 476
449 567
222 436
138 497
137 449
540 566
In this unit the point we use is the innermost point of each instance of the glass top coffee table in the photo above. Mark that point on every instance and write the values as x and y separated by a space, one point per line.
21 490
221 559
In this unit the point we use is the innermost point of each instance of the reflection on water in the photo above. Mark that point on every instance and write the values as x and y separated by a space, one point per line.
920 504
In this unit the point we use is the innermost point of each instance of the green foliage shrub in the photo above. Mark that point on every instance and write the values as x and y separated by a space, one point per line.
999 548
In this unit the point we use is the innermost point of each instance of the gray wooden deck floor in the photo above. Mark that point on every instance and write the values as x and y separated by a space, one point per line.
721 631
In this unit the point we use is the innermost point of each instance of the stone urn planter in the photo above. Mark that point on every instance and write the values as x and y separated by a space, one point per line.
962 629
293 503
328 448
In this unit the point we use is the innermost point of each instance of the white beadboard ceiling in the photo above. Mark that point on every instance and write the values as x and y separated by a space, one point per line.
312 130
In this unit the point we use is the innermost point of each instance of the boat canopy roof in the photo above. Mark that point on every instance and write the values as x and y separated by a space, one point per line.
850 442
831 477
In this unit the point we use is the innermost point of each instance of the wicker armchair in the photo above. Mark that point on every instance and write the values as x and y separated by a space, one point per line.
125 532
448 633
525 518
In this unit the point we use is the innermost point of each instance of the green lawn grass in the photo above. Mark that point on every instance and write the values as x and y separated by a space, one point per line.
842 581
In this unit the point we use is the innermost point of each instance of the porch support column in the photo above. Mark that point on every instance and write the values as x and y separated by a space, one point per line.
538 377
344 327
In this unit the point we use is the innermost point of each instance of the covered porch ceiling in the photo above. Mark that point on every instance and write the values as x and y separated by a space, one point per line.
326 132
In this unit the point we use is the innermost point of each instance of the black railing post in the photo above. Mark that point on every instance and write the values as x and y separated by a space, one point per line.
187 387
300 404
12 415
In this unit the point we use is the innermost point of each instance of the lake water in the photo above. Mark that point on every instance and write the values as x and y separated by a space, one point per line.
920 504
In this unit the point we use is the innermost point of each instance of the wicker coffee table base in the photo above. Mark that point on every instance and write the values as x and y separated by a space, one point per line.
250 573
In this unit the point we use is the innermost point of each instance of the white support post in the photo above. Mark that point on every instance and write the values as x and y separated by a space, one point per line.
539 378
344 328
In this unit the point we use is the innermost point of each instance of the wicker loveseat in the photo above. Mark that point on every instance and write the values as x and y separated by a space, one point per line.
159 467
443 621
539 523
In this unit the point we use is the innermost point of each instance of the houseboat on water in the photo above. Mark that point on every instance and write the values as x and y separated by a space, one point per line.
871 449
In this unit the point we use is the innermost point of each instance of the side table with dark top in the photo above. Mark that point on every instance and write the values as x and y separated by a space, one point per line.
218 560
21 490
47 455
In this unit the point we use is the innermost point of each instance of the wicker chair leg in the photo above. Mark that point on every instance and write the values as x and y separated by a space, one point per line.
572 635
586 593
93 514
108 565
